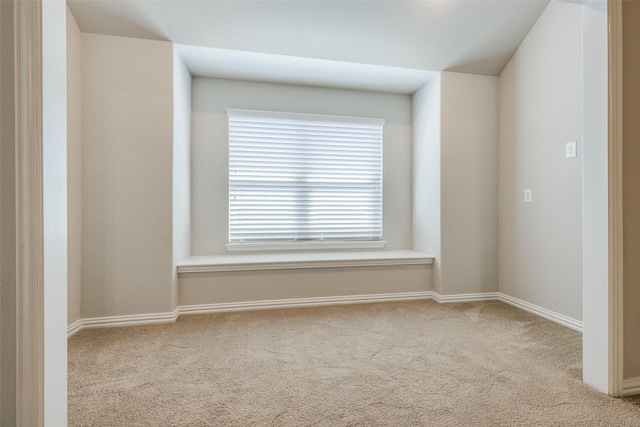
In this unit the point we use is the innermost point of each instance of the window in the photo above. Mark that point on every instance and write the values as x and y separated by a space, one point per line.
304 178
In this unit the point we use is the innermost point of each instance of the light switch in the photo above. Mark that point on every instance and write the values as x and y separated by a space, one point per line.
571 149
528 196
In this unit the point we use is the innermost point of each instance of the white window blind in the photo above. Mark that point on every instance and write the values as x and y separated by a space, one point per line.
304 177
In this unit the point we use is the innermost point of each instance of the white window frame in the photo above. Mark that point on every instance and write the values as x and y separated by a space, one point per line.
306 244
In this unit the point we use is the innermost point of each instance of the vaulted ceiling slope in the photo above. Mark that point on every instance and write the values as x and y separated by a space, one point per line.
470 36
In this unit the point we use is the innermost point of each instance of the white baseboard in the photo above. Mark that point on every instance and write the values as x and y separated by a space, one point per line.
486 296
145 319
75 327
304 302
113 321
574 324
631 386
563 320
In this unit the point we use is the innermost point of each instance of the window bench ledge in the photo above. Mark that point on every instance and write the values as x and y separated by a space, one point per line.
289 261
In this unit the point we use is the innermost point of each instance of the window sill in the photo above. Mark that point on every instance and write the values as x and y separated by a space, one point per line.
291 261
305 246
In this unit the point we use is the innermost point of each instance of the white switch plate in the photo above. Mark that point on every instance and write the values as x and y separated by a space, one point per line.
571 149
528 196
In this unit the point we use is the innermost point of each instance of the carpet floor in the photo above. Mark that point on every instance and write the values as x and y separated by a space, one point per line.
389 364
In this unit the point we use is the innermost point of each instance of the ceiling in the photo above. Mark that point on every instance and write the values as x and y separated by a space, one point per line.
470 36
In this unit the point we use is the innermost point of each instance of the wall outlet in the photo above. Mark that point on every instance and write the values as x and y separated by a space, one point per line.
528 196
571 149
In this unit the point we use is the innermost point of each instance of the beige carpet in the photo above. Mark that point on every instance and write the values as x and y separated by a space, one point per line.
389 364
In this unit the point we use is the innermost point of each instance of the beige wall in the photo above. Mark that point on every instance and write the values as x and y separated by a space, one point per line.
211 98
455 200
631 186
216 288
469 183
127 161
540 109
441 174
426 186
74 168
181 168
136 220
7 221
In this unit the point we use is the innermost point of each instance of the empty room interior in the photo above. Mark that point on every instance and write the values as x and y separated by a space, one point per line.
491 173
